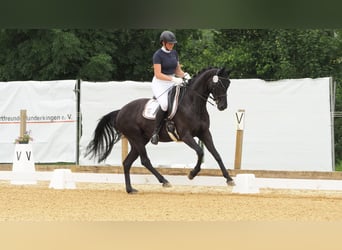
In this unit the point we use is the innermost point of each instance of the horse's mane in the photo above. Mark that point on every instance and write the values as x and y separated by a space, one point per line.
199 74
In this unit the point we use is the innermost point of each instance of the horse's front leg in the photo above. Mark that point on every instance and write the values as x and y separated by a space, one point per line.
190 141
208 142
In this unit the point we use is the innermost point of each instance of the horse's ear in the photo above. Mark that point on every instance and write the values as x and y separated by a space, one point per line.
223 71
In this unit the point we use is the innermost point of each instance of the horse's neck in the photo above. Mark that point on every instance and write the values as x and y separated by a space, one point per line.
199 96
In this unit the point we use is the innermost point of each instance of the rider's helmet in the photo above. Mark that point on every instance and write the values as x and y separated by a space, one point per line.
167 36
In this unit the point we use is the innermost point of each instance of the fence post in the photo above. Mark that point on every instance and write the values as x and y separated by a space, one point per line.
22 122
78 119
240 117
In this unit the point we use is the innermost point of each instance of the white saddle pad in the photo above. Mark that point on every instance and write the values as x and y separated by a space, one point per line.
150 109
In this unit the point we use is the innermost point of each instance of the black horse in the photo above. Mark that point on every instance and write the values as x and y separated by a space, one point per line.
191 120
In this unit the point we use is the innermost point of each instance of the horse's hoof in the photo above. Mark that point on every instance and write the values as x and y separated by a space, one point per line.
231 183
167 184
132 191
190 175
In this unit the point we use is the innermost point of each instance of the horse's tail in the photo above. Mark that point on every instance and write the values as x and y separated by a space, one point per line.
105 136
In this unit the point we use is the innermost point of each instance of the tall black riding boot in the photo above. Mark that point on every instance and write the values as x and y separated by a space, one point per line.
160 117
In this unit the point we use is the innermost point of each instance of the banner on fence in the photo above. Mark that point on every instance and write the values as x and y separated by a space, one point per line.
51 119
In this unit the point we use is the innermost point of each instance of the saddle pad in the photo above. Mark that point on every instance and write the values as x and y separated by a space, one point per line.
150 109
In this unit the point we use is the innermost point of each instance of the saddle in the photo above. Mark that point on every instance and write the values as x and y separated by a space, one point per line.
152 105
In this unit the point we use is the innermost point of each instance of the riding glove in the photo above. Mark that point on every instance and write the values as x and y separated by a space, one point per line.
187 76
177 81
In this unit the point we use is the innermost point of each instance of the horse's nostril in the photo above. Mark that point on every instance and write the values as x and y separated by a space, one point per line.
222 107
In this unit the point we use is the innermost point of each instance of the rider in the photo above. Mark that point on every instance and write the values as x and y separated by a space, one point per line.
167 72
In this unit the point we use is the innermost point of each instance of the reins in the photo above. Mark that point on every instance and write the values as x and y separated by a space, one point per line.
203 98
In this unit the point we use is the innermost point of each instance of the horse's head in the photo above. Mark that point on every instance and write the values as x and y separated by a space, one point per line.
218 87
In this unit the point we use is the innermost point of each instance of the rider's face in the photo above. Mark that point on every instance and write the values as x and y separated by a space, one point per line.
169 46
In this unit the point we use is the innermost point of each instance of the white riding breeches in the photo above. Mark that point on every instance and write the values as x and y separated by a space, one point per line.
160 89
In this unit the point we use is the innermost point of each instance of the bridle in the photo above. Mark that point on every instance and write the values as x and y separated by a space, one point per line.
217 82
218 79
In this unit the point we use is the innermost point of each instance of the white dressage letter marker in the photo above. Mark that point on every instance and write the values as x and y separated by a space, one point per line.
23 169
240 119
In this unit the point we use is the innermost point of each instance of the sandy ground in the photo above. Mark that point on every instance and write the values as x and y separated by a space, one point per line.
110 202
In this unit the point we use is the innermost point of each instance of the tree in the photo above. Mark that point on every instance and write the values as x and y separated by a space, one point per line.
99 68
134 55
197 50
278 54
25 54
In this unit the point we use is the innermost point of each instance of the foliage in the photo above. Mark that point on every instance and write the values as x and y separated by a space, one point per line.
197 51
338 166
24 139
279 54
99 68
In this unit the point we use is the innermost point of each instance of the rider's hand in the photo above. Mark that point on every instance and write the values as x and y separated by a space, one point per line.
177 81
186 76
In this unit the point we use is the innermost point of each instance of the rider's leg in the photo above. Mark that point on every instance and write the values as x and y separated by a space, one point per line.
159 122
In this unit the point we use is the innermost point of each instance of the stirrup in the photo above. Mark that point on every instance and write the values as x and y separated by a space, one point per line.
155 139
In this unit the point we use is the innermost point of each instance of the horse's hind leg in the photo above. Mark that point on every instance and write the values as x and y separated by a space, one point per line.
127 163
147 163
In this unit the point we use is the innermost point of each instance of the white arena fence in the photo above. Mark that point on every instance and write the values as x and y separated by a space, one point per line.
288 123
